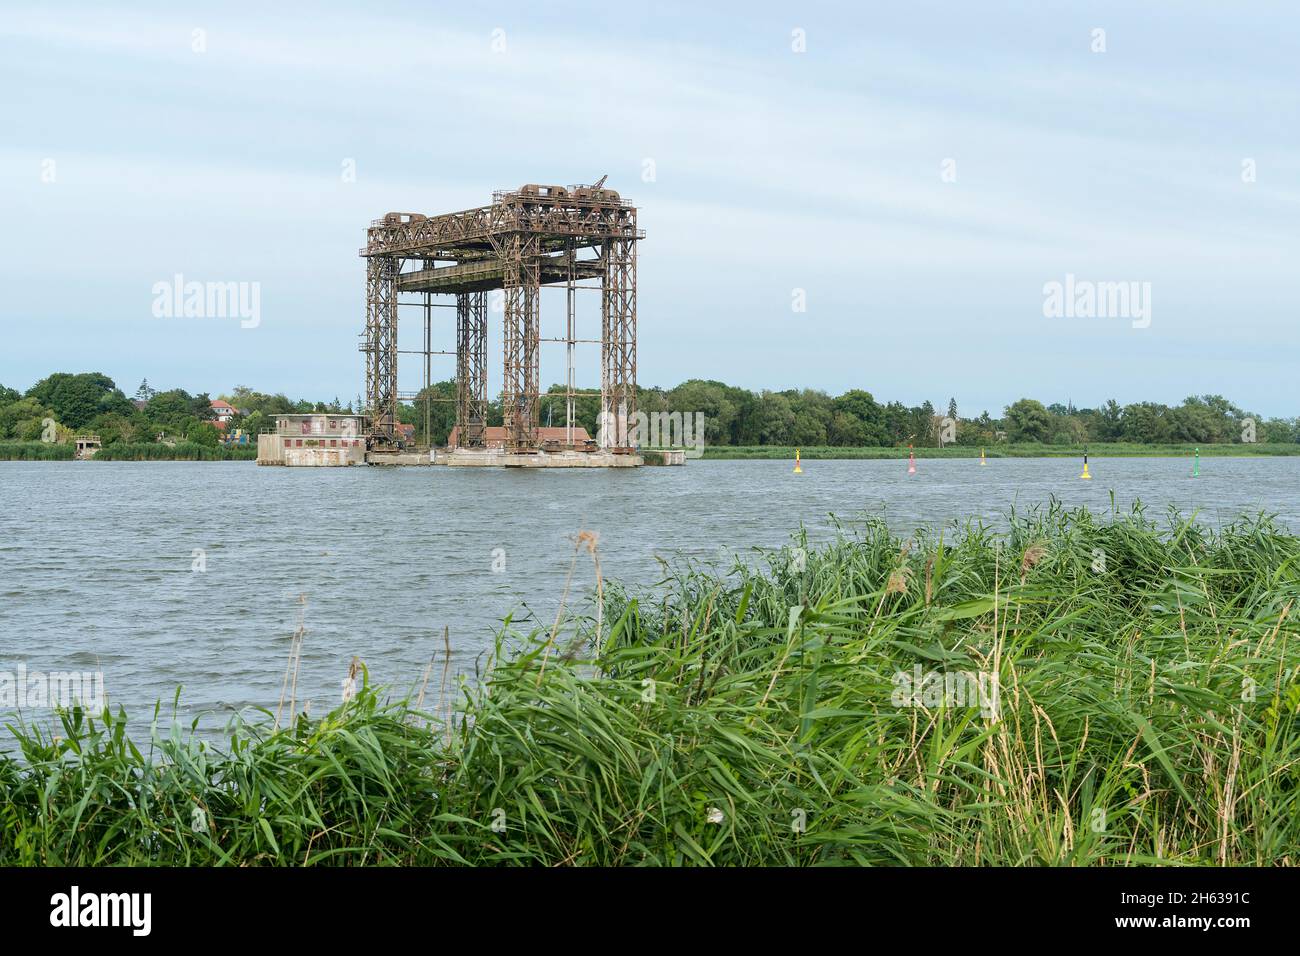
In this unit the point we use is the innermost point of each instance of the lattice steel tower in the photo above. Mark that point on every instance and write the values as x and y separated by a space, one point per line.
528 238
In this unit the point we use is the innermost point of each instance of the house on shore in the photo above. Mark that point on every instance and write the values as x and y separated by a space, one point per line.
222 413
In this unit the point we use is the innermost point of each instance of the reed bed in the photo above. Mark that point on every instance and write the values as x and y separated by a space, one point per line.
35 451
1147 713
181 451
1005 450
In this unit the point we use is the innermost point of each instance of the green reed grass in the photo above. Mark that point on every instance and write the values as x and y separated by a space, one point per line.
1148 714
181 451
1005 450
36 451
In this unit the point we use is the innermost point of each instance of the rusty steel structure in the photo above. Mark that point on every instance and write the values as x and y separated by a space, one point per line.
471 367
527 238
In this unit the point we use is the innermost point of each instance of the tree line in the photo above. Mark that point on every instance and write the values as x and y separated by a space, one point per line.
92 402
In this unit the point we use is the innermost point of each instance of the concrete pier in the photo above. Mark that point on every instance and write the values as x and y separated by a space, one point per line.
409 457
500 458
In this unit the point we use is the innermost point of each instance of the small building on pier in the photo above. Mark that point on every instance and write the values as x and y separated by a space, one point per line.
317 439
87 446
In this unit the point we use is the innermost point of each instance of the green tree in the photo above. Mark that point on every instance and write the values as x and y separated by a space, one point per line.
813 413
1069 430
1281 430
1109 423
923 425
809 429
650 400
1028 420
442 412
1147 423
170 407
1204 418
203 433
709 397
77 399
22 420
776 426
897 424
114 427
848 431
252 423
866 411
248 401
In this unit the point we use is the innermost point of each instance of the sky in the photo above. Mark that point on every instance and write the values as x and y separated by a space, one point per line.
862 195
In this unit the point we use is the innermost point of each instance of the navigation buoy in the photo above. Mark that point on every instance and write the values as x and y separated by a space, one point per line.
1085 467
982 461
911 461
797 469
1196 464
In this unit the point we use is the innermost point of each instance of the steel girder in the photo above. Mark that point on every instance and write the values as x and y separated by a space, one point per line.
520 386
618 343
471 369
381 346
477 228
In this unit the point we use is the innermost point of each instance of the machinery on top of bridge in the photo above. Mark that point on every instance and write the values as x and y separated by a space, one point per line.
529 237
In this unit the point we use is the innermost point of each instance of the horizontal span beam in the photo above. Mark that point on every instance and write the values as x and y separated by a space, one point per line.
482 275
408 237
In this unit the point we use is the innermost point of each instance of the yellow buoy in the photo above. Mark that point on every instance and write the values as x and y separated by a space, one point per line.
1085 467
797 469
982 461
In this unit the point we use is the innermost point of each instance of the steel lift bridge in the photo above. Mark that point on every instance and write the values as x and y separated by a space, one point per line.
527 238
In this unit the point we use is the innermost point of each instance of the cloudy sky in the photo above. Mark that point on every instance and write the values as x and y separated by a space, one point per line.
915 173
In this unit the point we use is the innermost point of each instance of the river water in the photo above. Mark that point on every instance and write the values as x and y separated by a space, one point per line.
162 574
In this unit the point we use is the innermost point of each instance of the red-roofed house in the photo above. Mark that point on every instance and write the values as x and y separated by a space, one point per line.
223 412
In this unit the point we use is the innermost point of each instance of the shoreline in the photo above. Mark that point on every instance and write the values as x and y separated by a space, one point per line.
1108 450
36 451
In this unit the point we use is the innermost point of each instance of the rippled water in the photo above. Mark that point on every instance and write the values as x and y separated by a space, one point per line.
97 559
